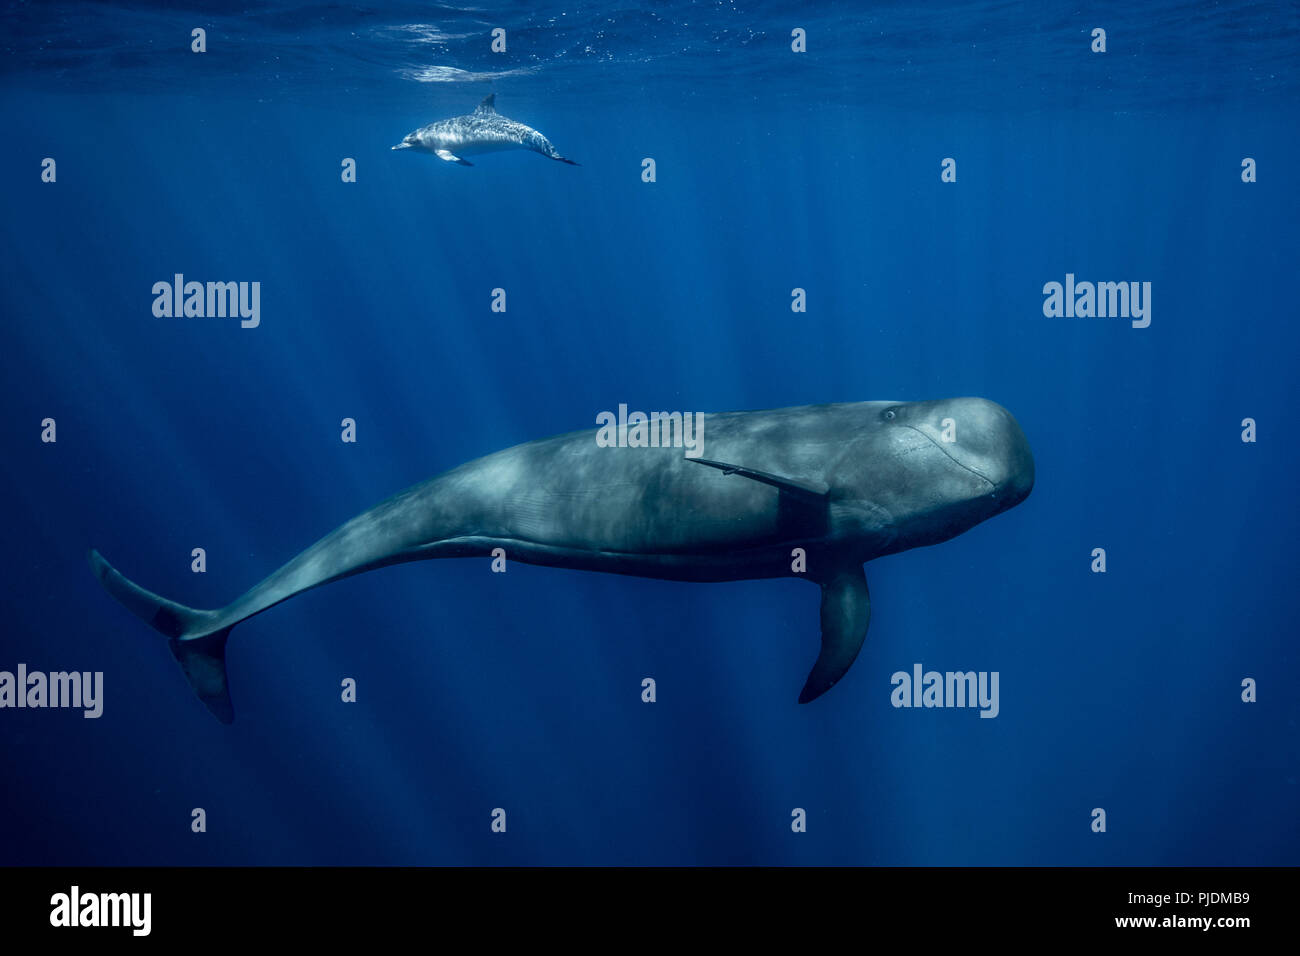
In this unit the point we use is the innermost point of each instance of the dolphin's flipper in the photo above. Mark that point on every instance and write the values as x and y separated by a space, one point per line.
846 611
450 157
200 650
810 491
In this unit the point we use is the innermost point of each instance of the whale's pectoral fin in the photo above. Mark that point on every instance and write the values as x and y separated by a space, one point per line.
810 491
804 505
846 611
450 157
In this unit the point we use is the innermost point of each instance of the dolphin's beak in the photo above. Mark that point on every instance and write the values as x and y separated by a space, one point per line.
402 146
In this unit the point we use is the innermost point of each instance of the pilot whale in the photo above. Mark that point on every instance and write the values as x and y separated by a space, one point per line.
483 131
811 492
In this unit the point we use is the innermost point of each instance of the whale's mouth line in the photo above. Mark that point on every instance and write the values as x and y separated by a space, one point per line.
982 477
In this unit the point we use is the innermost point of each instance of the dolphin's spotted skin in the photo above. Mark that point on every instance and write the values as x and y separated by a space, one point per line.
483 131
843 483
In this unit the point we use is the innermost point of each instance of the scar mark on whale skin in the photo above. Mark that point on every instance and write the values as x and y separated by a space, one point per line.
948 455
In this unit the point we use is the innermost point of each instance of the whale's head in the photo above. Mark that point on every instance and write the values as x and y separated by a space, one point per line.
941 467
409 141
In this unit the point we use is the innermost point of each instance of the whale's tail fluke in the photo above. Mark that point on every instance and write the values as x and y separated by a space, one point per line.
195 643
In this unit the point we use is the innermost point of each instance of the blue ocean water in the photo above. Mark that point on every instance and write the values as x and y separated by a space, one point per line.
775 170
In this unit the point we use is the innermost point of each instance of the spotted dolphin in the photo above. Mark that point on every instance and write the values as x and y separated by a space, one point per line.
810 492
483 131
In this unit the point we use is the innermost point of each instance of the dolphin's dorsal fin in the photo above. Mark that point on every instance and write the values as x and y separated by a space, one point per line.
810 491
489 104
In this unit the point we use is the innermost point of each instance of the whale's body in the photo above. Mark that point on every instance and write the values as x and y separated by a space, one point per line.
483 131
813 492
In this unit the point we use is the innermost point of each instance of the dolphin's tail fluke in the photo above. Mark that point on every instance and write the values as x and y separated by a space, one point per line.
195 639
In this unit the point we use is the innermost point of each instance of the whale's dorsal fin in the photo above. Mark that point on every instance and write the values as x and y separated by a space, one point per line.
810 491
846 612
489 104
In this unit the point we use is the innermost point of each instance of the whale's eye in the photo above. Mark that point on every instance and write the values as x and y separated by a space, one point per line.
890 414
